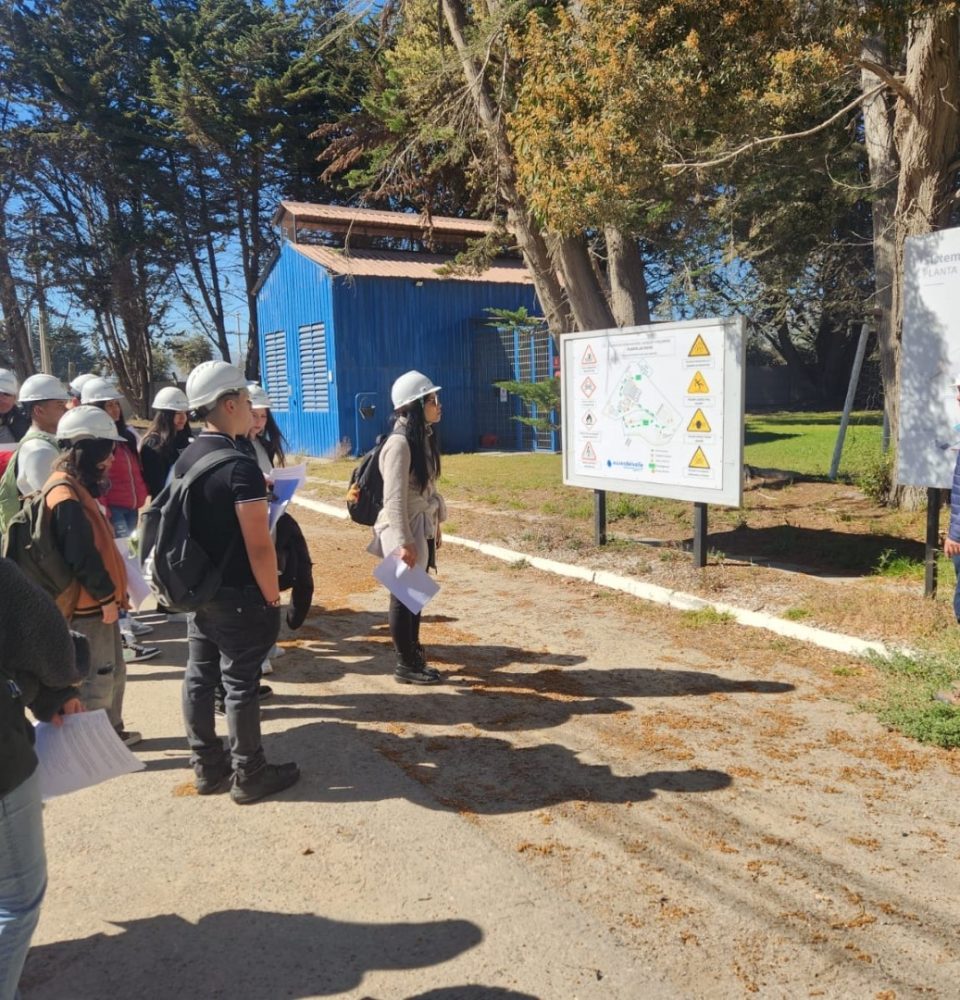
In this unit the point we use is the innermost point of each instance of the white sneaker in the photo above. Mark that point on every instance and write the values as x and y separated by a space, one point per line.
138 628
277 651
266 668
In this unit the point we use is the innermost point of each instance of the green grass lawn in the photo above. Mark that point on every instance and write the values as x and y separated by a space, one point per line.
797 442
804 442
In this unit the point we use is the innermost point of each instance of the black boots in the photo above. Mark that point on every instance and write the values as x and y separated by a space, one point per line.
265 780
414 669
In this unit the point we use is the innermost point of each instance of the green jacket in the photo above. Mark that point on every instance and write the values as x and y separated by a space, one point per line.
9 494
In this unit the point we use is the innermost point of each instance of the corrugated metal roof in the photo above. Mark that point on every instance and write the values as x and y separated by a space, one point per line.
396 264
341 215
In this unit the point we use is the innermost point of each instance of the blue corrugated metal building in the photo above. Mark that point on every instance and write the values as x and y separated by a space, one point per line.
339 323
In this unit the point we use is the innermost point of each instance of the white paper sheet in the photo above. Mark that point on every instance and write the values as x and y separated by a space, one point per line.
141 596
82 752
414 588
286 482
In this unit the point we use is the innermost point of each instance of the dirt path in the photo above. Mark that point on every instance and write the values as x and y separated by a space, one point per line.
601 801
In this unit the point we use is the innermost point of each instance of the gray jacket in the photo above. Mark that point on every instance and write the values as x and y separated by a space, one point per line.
410 516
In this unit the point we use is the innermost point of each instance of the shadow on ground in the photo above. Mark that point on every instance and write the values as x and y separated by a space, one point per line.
463 773
239 954
818 551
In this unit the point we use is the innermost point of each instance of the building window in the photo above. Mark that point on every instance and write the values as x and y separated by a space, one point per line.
275 379
313 368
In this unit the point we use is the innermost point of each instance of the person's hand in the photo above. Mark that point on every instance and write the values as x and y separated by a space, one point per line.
951 548
72 706
408 553
110 613
439 540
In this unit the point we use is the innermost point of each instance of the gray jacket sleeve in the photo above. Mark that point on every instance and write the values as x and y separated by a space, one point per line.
35 645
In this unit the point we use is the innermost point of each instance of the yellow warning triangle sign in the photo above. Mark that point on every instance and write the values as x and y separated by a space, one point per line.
699 460
699 349
698 385
699 424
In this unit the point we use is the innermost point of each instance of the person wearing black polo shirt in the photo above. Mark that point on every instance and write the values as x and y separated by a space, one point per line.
230 637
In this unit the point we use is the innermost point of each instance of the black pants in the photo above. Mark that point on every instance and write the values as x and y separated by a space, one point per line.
404 630
228 639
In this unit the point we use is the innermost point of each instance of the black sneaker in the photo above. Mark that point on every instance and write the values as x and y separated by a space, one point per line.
211 778
415 675
266 780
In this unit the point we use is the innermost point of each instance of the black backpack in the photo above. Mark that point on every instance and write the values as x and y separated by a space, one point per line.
365 493
178 569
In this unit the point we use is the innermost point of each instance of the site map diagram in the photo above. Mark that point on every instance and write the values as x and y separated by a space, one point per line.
645 407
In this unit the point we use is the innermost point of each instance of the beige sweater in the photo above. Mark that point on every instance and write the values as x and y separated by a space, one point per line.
409 516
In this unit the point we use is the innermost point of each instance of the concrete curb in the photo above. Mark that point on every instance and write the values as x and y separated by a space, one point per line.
651 592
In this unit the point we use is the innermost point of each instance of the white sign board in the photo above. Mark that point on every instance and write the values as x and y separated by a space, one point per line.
656 410
930 360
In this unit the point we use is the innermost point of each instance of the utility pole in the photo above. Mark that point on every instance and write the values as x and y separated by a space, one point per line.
241 360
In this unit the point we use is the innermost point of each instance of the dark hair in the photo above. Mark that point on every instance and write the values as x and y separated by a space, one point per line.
120 421
163 431
422 439
128 436
81 459
273 441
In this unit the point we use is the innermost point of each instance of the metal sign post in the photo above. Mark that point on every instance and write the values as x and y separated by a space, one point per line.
932 551
699 535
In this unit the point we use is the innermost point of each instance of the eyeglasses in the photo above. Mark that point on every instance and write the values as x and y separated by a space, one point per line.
434 400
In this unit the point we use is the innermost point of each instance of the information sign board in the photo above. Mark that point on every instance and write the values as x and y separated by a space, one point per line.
656 410
930 360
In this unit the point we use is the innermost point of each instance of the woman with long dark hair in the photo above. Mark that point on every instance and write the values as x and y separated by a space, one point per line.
84 537
128 491
126 494
269 444
166 438
412 509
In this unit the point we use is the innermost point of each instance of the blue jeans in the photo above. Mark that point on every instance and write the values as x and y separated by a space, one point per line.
124 521
23 879
228 639
956 590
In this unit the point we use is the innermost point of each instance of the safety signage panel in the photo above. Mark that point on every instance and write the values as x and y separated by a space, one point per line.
656 410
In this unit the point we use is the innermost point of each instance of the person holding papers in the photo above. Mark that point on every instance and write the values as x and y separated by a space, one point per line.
413 510
37 670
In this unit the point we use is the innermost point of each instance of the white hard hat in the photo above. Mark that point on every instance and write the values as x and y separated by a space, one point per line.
259 398
86 422
78 383
8 382
99 390
37 388
409 387
212 379
171 398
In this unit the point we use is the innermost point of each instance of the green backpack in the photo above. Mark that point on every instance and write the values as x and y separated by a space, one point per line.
30 543
9 493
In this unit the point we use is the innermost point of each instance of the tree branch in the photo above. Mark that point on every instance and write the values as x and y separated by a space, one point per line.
882 73
679 168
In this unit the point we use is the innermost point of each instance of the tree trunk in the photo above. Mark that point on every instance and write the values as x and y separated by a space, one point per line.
628 284
14 326
529 237
584 292
882 160
926 133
